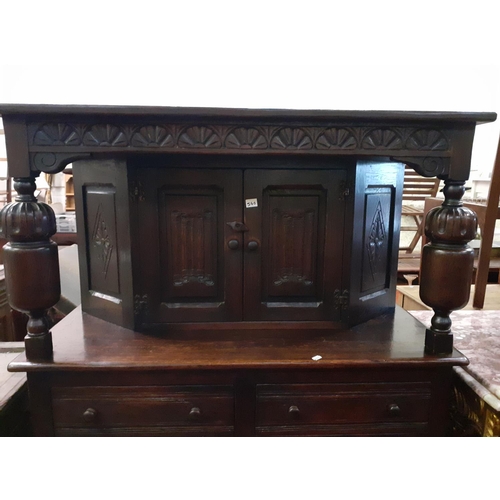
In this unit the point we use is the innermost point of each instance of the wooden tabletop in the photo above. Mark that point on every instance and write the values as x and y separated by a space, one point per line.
83 342
318 114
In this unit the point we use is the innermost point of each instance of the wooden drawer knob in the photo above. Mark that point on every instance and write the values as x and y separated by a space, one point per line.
194 413
394 410
293 411
253 245
89 415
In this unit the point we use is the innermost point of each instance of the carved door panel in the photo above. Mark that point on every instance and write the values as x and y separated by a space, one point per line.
374 256
188 267
295 219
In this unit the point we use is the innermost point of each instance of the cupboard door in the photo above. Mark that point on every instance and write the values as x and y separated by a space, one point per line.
375 240
293 248
191 259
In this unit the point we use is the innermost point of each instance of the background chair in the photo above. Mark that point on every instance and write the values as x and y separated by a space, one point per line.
416 188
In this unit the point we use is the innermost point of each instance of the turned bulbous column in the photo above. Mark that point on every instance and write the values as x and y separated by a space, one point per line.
31 264
447 264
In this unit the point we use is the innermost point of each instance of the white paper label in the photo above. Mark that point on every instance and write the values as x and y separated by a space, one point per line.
317 357
251 203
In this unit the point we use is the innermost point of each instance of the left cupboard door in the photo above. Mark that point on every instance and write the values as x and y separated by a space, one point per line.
190 245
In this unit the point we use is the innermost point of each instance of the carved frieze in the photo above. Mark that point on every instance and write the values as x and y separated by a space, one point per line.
291 138
336 138
427 140
152 136
208 136
382 138
246 138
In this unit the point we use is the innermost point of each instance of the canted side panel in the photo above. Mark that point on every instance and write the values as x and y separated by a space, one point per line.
373 249
102 249
189 246
378 235
293 240
104 252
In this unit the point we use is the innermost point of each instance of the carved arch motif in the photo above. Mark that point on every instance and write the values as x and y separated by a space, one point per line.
336 138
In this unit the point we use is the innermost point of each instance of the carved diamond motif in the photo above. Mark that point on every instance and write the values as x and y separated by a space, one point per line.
376 238
101 241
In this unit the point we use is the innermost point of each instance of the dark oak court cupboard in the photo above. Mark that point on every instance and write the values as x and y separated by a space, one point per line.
238 270
218 240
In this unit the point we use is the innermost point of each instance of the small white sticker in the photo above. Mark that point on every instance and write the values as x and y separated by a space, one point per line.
317 357
251 203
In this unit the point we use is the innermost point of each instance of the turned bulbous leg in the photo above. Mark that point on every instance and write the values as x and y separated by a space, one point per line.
447 264
31 265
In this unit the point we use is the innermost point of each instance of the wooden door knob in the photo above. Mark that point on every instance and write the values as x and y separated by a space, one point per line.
194 413
252 245
394 410
233 244
293 411
90 415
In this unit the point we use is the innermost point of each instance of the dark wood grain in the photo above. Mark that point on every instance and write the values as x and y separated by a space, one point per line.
56 109
83 342
195 292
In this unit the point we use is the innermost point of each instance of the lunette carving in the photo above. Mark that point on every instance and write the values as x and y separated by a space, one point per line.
171 136
427 140
382 138
292 138
246 138
336 138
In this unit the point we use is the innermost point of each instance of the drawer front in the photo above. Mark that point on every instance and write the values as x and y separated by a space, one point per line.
326 404
142 407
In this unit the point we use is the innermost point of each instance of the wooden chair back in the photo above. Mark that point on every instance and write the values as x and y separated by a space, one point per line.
418 188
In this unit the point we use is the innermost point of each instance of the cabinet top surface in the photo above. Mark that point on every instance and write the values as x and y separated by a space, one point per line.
53 110
83 342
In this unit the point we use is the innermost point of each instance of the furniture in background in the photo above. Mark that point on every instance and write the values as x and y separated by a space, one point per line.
491 214
6 196
476 387
416 189
14 413
487 215
70 190
238 270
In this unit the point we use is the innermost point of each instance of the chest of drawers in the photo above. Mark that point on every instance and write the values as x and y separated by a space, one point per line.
371 380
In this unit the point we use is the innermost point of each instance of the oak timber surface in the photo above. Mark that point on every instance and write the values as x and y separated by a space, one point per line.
83 342
50 109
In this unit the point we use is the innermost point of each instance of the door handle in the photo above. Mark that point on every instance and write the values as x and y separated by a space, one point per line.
239 227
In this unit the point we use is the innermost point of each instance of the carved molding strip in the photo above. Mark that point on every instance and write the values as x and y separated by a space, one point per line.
236 137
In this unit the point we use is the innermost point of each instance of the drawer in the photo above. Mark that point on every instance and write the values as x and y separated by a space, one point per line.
326 404
143 407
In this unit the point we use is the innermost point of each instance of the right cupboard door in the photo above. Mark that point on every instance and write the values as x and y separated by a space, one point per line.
294 244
